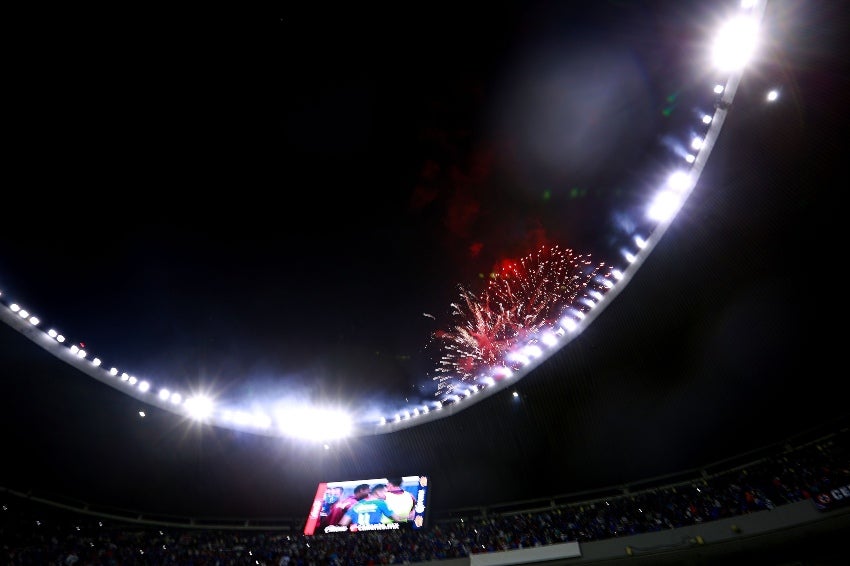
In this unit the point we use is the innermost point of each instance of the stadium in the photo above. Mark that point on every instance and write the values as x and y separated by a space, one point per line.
555 271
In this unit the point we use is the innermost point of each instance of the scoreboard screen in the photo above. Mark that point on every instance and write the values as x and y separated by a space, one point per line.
374 504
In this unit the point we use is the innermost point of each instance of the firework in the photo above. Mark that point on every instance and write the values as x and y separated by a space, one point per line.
522 299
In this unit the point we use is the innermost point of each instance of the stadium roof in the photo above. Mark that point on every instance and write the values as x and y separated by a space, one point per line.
282 213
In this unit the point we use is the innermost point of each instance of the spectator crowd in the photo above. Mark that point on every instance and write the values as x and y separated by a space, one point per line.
34 533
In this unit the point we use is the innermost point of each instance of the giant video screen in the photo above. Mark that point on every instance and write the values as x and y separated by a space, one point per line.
376 504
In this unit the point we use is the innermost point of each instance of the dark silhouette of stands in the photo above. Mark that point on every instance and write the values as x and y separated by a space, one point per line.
39 531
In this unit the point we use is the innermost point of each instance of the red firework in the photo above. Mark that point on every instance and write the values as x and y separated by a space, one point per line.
520 300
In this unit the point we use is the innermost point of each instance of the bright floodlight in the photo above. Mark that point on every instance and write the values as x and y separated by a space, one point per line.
569 324
735 43
679 181
164 394
772 95
518 357
313 423
199 408
261 421
144 386
664 206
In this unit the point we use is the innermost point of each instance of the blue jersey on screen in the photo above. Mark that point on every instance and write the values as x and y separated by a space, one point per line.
369 511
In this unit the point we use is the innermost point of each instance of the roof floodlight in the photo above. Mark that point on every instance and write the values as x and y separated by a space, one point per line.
773 95
199 408
96 362
51 333
718 89
34 320
679 181
735 43
262 421
176 398
518 357
706 119
60 338
23 313
326 424
664 206
569 324
15 307
113 371
144 386
690 158
132 380
164 394
125 376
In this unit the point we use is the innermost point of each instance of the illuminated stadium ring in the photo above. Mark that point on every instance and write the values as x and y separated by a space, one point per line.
729 55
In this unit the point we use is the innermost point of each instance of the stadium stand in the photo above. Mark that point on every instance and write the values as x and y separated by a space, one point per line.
789 506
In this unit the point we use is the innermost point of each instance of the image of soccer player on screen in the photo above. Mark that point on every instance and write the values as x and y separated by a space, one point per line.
371 510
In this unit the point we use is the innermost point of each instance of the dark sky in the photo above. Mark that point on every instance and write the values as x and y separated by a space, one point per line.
271 208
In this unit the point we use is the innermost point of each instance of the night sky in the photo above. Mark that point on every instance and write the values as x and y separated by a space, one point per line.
287 207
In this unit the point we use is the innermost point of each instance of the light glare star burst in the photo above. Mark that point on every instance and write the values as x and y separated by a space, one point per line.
522 299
